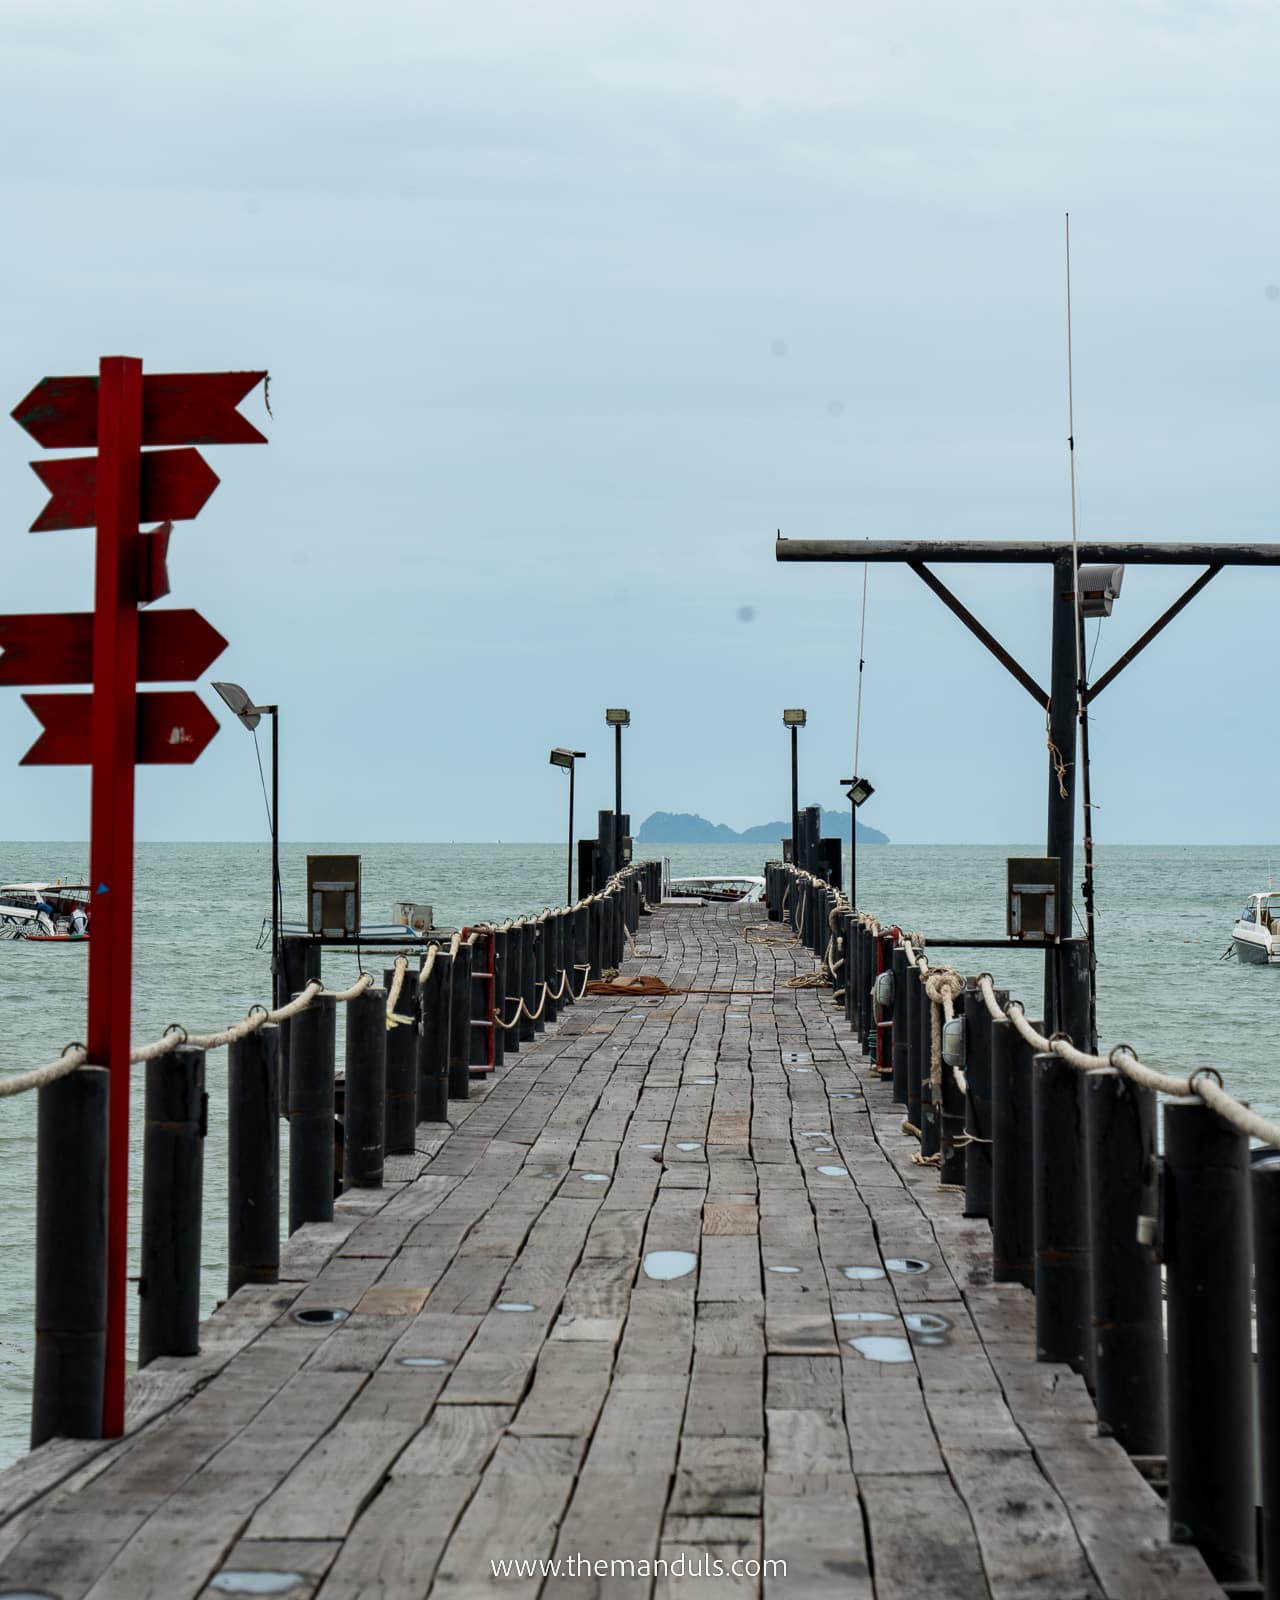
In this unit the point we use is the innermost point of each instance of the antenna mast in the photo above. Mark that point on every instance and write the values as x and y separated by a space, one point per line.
1082 705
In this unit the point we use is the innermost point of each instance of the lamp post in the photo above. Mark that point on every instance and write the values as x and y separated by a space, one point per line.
858 790
566 759
795 720
249 714
617 720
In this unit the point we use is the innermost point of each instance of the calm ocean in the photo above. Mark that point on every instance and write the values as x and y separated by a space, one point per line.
1165 917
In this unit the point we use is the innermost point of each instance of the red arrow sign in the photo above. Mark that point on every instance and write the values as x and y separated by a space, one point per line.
177 408
175 485
57 647
174 726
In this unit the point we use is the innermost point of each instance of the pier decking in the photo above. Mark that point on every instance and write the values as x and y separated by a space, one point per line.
584 1408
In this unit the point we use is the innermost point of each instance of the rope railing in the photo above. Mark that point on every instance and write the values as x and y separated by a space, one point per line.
944 984
1206 1082
75 1055
175 1036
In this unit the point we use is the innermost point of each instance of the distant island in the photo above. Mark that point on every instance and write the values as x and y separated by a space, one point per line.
683 827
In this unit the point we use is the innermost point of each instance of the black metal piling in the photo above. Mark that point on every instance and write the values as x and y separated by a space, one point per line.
301 962
847 942
1061 1228
365 1105
460 1023
1126 1325
529 980
311 1138
175 1120
900 1044
911 996
402 1065
434 991
499 995
1012 1180
929 1120
1205 1243
596 956
564 948
539 1001
951 1169
513 986
551 966
71 1256
1265 1195
253 1158
581 946
977 1111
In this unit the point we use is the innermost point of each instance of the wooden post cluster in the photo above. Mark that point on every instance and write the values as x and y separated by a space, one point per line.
1083 1212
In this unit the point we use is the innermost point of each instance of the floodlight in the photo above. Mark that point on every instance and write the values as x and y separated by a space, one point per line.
793 719
1099 587
618 719
858 789
562 758
239 702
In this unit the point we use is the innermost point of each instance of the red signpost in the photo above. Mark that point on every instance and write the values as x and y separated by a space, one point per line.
121 411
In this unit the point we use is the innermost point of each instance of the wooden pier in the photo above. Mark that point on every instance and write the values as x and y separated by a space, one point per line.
512 1383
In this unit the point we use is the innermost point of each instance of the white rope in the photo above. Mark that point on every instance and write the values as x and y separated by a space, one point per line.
397 983
942 985
1201 1082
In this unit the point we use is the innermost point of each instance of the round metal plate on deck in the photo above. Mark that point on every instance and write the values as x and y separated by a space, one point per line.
320 1316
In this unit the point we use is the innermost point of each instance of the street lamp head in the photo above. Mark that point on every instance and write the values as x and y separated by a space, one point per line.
1099 587
566 758
240 704
618 719
793 719
859 790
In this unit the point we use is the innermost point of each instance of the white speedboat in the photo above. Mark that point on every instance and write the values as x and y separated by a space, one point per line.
42 911
717 888
1256 935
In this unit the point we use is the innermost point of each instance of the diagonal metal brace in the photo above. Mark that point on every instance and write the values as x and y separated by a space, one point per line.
1156 627
953 603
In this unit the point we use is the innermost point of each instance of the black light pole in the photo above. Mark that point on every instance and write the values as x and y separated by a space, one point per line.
250 715
858 791
795 720
617 720
566 759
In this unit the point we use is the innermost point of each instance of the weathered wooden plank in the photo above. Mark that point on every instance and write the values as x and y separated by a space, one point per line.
323 1495
813 1530
921 1539
1025 1536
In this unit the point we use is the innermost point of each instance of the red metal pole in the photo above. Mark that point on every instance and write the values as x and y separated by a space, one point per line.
113 744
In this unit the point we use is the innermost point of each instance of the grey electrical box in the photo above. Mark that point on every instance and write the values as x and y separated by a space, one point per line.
1032 911
333 896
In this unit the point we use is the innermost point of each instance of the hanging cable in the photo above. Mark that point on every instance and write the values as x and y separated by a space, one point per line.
262 778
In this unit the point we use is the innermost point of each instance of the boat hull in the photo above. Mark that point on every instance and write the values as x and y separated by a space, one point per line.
1254 953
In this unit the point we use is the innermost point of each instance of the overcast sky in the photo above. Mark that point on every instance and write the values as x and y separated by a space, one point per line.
569 306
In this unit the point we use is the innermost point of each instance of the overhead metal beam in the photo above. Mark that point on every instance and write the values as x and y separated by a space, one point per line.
1022 551
1094 690
953 603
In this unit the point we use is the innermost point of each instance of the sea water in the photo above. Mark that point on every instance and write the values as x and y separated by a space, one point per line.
1164 919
